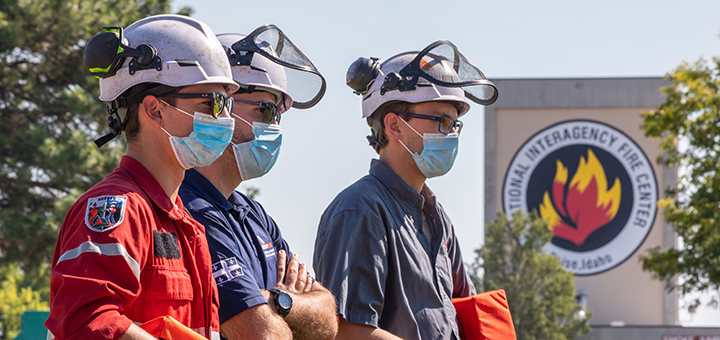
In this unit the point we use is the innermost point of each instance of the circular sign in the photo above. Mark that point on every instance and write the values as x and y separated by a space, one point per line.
593 185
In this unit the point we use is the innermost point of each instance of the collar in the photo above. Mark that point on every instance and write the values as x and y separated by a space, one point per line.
403 193
148 184
206 189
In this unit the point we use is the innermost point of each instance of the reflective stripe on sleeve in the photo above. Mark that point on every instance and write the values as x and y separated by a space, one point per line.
107 249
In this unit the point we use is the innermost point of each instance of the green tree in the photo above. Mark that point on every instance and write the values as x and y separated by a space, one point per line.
15 300
688 127
50 114
540 293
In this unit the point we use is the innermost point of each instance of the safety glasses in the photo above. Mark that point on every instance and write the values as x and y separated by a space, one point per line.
269 112
220 100
445 124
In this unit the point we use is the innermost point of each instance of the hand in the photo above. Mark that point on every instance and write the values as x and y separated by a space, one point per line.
293 279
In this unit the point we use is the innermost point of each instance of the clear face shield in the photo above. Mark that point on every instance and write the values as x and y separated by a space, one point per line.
305 84
439 63
476 86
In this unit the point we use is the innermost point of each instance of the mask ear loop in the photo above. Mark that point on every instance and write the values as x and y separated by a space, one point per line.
411 128
241 118
244 121
176 108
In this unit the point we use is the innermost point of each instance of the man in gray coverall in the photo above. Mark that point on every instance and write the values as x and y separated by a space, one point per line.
385 247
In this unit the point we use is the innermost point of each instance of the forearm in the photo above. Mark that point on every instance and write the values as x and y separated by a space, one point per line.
260 322
313 316
347 330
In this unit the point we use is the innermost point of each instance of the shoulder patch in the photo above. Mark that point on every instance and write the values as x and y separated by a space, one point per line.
226 270
105 212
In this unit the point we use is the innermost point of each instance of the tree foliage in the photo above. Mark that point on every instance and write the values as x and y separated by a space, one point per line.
50 114
15 300
541 294
688 127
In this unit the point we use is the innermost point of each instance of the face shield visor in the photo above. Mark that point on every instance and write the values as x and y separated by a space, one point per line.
443 53
305 84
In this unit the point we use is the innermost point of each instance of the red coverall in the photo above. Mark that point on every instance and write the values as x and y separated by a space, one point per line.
127 254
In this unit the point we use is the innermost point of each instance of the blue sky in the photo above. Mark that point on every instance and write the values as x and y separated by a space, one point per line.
324 148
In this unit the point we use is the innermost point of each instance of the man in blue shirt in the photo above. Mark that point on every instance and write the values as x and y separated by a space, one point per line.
263 295
385 247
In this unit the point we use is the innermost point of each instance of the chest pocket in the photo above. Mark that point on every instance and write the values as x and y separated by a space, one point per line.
166 283
166 278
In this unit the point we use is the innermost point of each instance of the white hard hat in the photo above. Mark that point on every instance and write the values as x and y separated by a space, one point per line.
171 50
261 72
437 73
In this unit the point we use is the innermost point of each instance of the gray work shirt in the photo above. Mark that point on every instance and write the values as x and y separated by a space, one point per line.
371 253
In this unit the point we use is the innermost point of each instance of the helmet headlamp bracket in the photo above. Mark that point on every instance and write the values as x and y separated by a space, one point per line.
394 81
240 59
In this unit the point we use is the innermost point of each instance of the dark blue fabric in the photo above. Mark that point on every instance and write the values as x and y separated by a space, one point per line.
243 241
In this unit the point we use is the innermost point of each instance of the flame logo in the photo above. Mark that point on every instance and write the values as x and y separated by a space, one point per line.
578 209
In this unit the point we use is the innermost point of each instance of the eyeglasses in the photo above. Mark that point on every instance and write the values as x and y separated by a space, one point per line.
445 124
269 112
220 100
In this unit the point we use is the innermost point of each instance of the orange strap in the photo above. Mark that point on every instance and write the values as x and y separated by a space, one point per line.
484 316
167 328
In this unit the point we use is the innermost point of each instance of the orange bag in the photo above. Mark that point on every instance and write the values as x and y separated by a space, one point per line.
484 316
167 328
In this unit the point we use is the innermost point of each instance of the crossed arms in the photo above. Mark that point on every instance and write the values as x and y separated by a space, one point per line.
312 315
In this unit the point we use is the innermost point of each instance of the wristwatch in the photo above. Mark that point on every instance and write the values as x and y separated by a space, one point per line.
282 300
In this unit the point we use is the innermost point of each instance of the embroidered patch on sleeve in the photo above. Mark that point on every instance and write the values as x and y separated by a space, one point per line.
226 270
105 212
165 245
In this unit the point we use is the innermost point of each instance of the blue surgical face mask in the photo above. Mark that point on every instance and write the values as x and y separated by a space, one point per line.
438 154
208 140
256 157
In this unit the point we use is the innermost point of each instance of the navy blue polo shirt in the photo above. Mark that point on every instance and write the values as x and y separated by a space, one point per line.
243 241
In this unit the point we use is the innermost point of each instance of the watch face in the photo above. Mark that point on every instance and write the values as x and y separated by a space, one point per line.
285 300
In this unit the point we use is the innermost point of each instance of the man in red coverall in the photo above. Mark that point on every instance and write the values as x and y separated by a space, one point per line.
128 252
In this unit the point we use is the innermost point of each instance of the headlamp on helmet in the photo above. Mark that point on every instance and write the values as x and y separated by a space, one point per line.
106 52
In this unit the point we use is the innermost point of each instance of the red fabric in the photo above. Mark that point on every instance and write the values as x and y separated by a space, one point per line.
97 295
484 316
167 328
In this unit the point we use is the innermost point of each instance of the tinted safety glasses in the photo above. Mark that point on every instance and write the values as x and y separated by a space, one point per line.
219 100
269 110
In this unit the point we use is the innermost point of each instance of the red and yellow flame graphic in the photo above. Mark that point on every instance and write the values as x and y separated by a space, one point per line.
586 206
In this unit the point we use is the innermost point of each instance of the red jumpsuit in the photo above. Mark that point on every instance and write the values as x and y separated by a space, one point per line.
126 254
